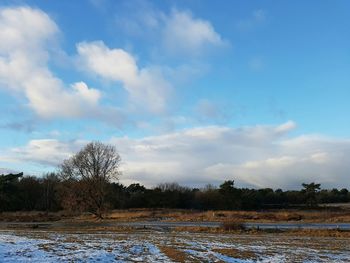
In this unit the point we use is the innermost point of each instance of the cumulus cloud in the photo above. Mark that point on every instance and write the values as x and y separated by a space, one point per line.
178 32
184 33
146 86
26 37
256 156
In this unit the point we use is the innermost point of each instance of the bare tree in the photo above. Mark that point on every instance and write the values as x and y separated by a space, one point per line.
95 166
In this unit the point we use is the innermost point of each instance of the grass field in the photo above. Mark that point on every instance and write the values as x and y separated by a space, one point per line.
67 237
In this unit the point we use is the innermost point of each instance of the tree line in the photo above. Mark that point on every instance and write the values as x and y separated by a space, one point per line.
51 193
86 182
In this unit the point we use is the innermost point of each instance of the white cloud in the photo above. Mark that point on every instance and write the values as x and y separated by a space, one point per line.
47 152
26 37
259 156
286 127
113 64
178 32
25 28
92 96
184 33
146 86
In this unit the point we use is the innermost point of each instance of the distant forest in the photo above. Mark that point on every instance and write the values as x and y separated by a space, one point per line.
52 193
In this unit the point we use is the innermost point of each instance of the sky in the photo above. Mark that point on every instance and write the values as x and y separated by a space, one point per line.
194 92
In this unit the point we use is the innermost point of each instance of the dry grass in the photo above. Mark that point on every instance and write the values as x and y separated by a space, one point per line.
324 216
197 229
174 254
134 215
32 216
232 225
296 232
236 253
222 216
318 233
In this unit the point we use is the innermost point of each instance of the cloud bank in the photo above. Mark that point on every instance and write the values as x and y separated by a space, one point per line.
254 156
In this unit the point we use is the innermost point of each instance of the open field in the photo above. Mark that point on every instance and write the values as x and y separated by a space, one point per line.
143 235
155 246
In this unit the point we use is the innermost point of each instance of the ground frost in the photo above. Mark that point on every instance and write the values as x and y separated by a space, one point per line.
46 246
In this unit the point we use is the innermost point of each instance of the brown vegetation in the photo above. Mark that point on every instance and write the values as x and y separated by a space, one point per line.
174 254
32 216
274 232
222 216
232 225
177 215
236 253
88 175
318 233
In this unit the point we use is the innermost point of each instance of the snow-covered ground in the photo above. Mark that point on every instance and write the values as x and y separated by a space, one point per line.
46 246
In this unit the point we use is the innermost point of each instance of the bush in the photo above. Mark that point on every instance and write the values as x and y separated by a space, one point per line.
233 225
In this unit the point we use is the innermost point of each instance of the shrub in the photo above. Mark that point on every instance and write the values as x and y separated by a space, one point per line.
233 225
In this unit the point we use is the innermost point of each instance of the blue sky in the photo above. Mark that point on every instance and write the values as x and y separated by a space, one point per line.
190 91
